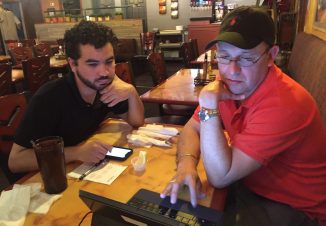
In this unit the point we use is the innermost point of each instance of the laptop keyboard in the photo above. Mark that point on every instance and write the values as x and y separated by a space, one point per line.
179 216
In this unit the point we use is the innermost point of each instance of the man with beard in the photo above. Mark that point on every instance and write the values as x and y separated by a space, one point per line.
74 106
275 149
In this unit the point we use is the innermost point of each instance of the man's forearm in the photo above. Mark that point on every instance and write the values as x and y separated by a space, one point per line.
22 159
216 153
188 144
136 109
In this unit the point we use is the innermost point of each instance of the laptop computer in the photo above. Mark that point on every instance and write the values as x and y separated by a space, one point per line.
147 208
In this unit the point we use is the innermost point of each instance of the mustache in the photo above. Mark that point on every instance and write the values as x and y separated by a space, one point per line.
104 77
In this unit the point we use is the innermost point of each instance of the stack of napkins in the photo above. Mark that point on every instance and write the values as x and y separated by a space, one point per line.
15 203
149 135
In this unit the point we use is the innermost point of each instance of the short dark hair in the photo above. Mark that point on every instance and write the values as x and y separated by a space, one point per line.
87 32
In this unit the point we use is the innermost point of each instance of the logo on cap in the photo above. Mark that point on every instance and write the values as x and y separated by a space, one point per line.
233 21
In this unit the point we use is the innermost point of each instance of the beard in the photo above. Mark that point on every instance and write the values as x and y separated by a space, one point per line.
93 85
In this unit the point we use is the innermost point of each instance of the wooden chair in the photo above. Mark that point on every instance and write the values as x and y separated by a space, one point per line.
126 49
157 67
42 49
147 42
124 72
6 85
158 72
36 73
187 54
19 54
13 107
28 42
194 48
61 42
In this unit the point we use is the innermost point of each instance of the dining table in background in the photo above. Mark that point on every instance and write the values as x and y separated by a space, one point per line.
56 66
5 58
70 209
177 89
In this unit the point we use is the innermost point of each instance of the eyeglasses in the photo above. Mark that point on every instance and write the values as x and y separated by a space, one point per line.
241 61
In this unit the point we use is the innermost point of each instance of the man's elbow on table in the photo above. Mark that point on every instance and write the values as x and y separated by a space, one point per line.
21 159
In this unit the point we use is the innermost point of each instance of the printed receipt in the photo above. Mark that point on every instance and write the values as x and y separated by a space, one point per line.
104 174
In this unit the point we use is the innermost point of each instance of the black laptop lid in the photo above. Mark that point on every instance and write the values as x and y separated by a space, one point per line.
107 212
136 212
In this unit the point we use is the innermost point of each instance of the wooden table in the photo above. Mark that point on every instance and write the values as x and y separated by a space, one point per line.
70 209
4 58
58 63
177 89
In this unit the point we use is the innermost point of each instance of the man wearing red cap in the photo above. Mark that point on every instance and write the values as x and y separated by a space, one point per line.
276 152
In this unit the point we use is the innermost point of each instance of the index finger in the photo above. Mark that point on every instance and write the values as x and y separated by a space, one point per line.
171 189
104 147
193 193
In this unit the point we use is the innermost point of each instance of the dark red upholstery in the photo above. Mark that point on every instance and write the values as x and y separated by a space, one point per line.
6 85
307 66
42 49
124 72
36 72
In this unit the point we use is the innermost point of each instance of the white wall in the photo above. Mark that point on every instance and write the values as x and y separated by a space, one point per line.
154 19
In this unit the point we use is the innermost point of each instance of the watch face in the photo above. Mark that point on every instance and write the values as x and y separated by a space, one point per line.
203 116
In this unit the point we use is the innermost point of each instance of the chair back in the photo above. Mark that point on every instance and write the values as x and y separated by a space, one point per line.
36 72
124 72
6 86
61 42
194 48
21 53
28 42
13 107
147 42
42 49
157 67
186 54
126 49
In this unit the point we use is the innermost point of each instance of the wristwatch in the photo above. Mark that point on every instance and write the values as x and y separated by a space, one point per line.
205 114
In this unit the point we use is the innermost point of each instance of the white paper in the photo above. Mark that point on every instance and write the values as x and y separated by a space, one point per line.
104 174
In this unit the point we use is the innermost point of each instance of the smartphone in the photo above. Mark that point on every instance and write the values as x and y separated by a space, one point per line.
119 153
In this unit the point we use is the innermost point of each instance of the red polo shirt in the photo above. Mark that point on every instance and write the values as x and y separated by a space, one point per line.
279 125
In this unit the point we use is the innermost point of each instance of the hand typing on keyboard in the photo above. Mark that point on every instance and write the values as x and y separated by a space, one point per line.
186 176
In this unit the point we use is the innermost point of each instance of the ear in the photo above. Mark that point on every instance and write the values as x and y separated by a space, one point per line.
273 53
72 64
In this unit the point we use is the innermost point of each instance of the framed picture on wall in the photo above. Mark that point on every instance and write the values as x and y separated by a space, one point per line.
320 17
174 5
162 2
174 9
162 9
174 14
316 18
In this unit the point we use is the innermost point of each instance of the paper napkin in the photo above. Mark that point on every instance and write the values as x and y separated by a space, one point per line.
15 203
